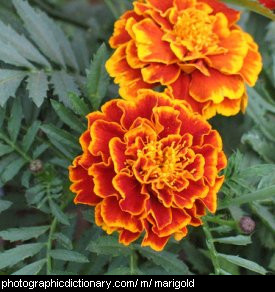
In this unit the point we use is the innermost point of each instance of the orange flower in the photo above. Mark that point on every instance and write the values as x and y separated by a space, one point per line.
151 165
192 47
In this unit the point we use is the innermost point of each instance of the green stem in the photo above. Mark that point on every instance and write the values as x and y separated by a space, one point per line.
15 147
211 247
220 221
49 246
133 263
51 233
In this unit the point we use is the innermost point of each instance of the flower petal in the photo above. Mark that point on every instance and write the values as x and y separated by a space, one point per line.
210 201
215 87
82 185
217 6
161 214
160 73
102 176
113 216
120 35
117 151
161 5
179 220
150 46
102 132
151 239
187 197
126 237
251 68
167 121
133 201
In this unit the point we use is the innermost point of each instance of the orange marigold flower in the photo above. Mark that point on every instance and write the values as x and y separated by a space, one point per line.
192 47
149 165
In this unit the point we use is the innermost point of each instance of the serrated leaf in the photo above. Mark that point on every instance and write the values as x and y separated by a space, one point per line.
29 138
63 42
4 205
23 233
9 55
78 104
40 150
252 266
81 49
257 170
68 117
63 84
68 256
38 87
236 240
259 144
31 269
25 178
24 47
98 78
255 6
58 213
166 260
60 135
108 245
16 115
12 169
9 82
265 215
15 255
63 240
39 31
262 194
5 149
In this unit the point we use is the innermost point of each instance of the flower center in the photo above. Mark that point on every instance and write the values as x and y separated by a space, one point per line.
161 163
194 28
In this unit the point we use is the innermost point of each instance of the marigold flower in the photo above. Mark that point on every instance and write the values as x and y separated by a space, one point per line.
149 165
192 47
268 3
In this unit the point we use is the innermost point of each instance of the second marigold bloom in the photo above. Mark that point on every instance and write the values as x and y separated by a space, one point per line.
148 166
192 47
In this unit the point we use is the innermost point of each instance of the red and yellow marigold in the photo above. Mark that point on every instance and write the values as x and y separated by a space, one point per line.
192 47
149 166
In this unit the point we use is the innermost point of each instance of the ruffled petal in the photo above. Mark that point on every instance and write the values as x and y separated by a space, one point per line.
232 61
216 87
133 201
113 216
102 132
210 201
126 237
232 15
154 241
166 121
160 73
82 185
103 175
149 43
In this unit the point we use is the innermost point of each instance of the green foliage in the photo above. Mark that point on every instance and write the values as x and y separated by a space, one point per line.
53 65
98 78
253 5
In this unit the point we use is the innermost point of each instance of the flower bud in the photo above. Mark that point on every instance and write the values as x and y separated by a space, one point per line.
247 224
36 166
